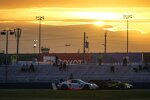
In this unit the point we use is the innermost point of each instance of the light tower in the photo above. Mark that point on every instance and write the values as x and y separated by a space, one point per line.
6 32
127 17
40 18
85 45
105 44
17 32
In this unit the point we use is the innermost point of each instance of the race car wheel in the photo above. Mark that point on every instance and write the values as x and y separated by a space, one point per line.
86 87
64 87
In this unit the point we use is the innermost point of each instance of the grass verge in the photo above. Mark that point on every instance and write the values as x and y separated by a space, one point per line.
46 94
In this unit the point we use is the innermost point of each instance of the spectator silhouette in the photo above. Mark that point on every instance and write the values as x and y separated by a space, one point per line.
56 61
112 69
71 76
99 61
64 66
60 66
125 62
140 67
32 68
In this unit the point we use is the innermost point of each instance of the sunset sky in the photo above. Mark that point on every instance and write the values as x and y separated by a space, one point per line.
66 21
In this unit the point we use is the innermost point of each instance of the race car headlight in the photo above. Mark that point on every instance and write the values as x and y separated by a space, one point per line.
92 84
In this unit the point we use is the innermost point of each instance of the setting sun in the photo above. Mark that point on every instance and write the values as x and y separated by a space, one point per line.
99 23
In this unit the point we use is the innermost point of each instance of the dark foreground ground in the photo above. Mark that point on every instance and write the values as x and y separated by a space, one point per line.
48 85
46 94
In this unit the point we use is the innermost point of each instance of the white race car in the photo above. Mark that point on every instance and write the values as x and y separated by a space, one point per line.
76 84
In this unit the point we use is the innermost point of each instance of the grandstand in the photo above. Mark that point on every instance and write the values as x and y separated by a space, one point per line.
47 72
131 67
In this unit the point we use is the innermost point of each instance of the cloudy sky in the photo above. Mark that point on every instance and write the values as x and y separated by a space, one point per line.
66 21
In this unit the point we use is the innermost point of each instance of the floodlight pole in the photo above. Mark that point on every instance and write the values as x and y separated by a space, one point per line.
127 17
105 45
17 35
6 61
6 32
40 18
7 42
84 38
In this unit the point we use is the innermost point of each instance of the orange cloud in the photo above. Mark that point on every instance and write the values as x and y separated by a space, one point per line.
73 3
